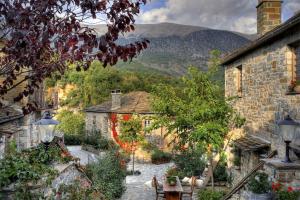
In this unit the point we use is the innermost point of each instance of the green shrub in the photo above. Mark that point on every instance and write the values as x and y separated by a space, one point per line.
98 141
108 175
220 172
148 146
158 157
208 194
286 195
190 163
73 139
259 183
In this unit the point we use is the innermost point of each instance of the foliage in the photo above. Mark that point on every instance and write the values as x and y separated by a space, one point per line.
287 195
208 194
93 87
148 146
45 42
29 166
198 113
12 147
108 175
158 156
76 192
220 172
71 123
259 183
131 130
98 142
73 139
190 162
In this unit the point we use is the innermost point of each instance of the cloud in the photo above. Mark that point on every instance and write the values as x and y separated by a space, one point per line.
234 15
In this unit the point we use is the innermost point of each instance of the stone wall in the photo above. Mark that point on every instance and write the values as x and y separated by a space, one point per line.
267 73
266 77
98 122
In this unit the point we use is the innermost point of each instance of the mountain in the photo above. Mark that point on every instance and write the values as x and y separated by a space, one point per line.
174 47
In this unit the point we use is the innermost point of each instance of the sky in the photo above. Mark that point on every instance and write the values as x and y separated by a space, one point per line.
233 15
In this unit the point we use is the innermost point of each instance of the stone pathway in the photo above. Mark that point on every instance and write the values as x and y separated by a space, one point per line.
136 187
85 156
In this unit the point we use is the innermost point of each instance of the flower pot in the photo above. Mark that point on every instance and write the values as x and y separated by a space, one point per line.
248 195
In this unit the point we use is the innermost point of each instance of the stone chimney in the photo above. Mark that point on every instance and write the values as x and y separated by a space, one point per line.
115 99
268 15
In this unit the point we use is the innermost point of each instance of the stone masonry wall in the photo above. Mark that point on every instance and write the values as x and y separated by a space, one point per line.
267 73
101 123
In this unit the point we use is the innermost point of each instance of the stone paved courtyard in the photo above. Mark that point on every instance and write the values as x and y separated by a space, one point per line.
136 187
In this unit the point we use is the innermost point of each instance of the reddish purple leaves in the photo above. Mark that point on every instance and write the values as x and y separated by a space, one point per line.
43 37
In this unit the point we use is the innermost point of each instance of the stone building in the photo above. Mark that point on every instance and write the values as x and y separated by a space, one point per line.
264 77
104 117
25 136
10 120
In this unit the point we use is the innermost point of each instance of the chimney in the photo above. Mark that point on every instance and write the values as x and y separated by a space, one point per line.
268 15
115 99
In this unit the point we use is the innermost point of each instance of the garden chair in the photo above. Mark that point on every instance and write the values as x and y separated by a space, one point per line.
190 191
158 190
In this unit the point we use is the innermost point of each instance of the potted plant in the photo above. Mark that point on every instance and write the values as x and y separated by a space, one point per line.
171 180
259 187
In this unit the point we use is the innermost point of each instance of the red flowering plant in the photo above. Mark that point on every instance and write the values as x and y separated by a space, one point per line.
285 192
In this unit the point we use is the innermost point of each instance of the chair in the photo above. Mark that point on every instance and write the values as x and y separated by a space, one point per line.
158 190
191 190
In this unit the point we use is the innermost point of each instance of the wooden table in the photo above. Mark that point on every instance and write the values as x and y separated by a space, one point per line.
172 192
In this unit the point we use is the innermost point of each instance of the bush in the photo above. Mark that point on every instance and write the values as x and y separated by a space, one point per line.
190 163
159 157
73 139
148 146
259 183
108 175
208 194
98 141
220 172
286 195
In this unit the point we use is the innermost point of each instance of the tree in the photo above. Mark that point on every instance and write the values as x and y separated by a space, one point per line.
71 123
44 37
196 113
131 134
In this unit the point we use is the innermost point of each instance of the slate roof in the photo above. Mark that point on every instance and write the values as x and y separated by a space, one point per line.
266 39
251 143
8 113
133 102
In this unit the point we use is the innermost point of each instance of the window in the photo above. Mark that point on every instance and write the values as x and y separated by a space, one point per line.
239 80
296 64
147 123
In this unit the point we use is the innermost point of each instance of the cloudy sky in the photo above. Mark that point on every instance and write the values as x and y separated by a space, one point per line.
234 15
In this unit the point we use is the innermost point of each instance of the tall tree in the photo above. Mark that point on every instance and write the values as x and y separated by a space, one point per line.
197 113
43 37
131 134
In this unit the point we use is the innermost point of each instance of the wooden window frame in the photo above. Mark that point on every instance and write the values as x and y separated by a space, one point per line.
294 85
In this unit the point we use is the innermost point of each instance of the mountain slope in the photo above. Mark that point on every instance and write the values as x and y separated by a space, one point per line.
174 47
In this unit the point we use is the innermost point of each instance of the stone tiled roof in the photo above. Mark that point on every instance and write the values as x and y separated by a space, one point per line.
266 39
251 143
133 102
8 113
